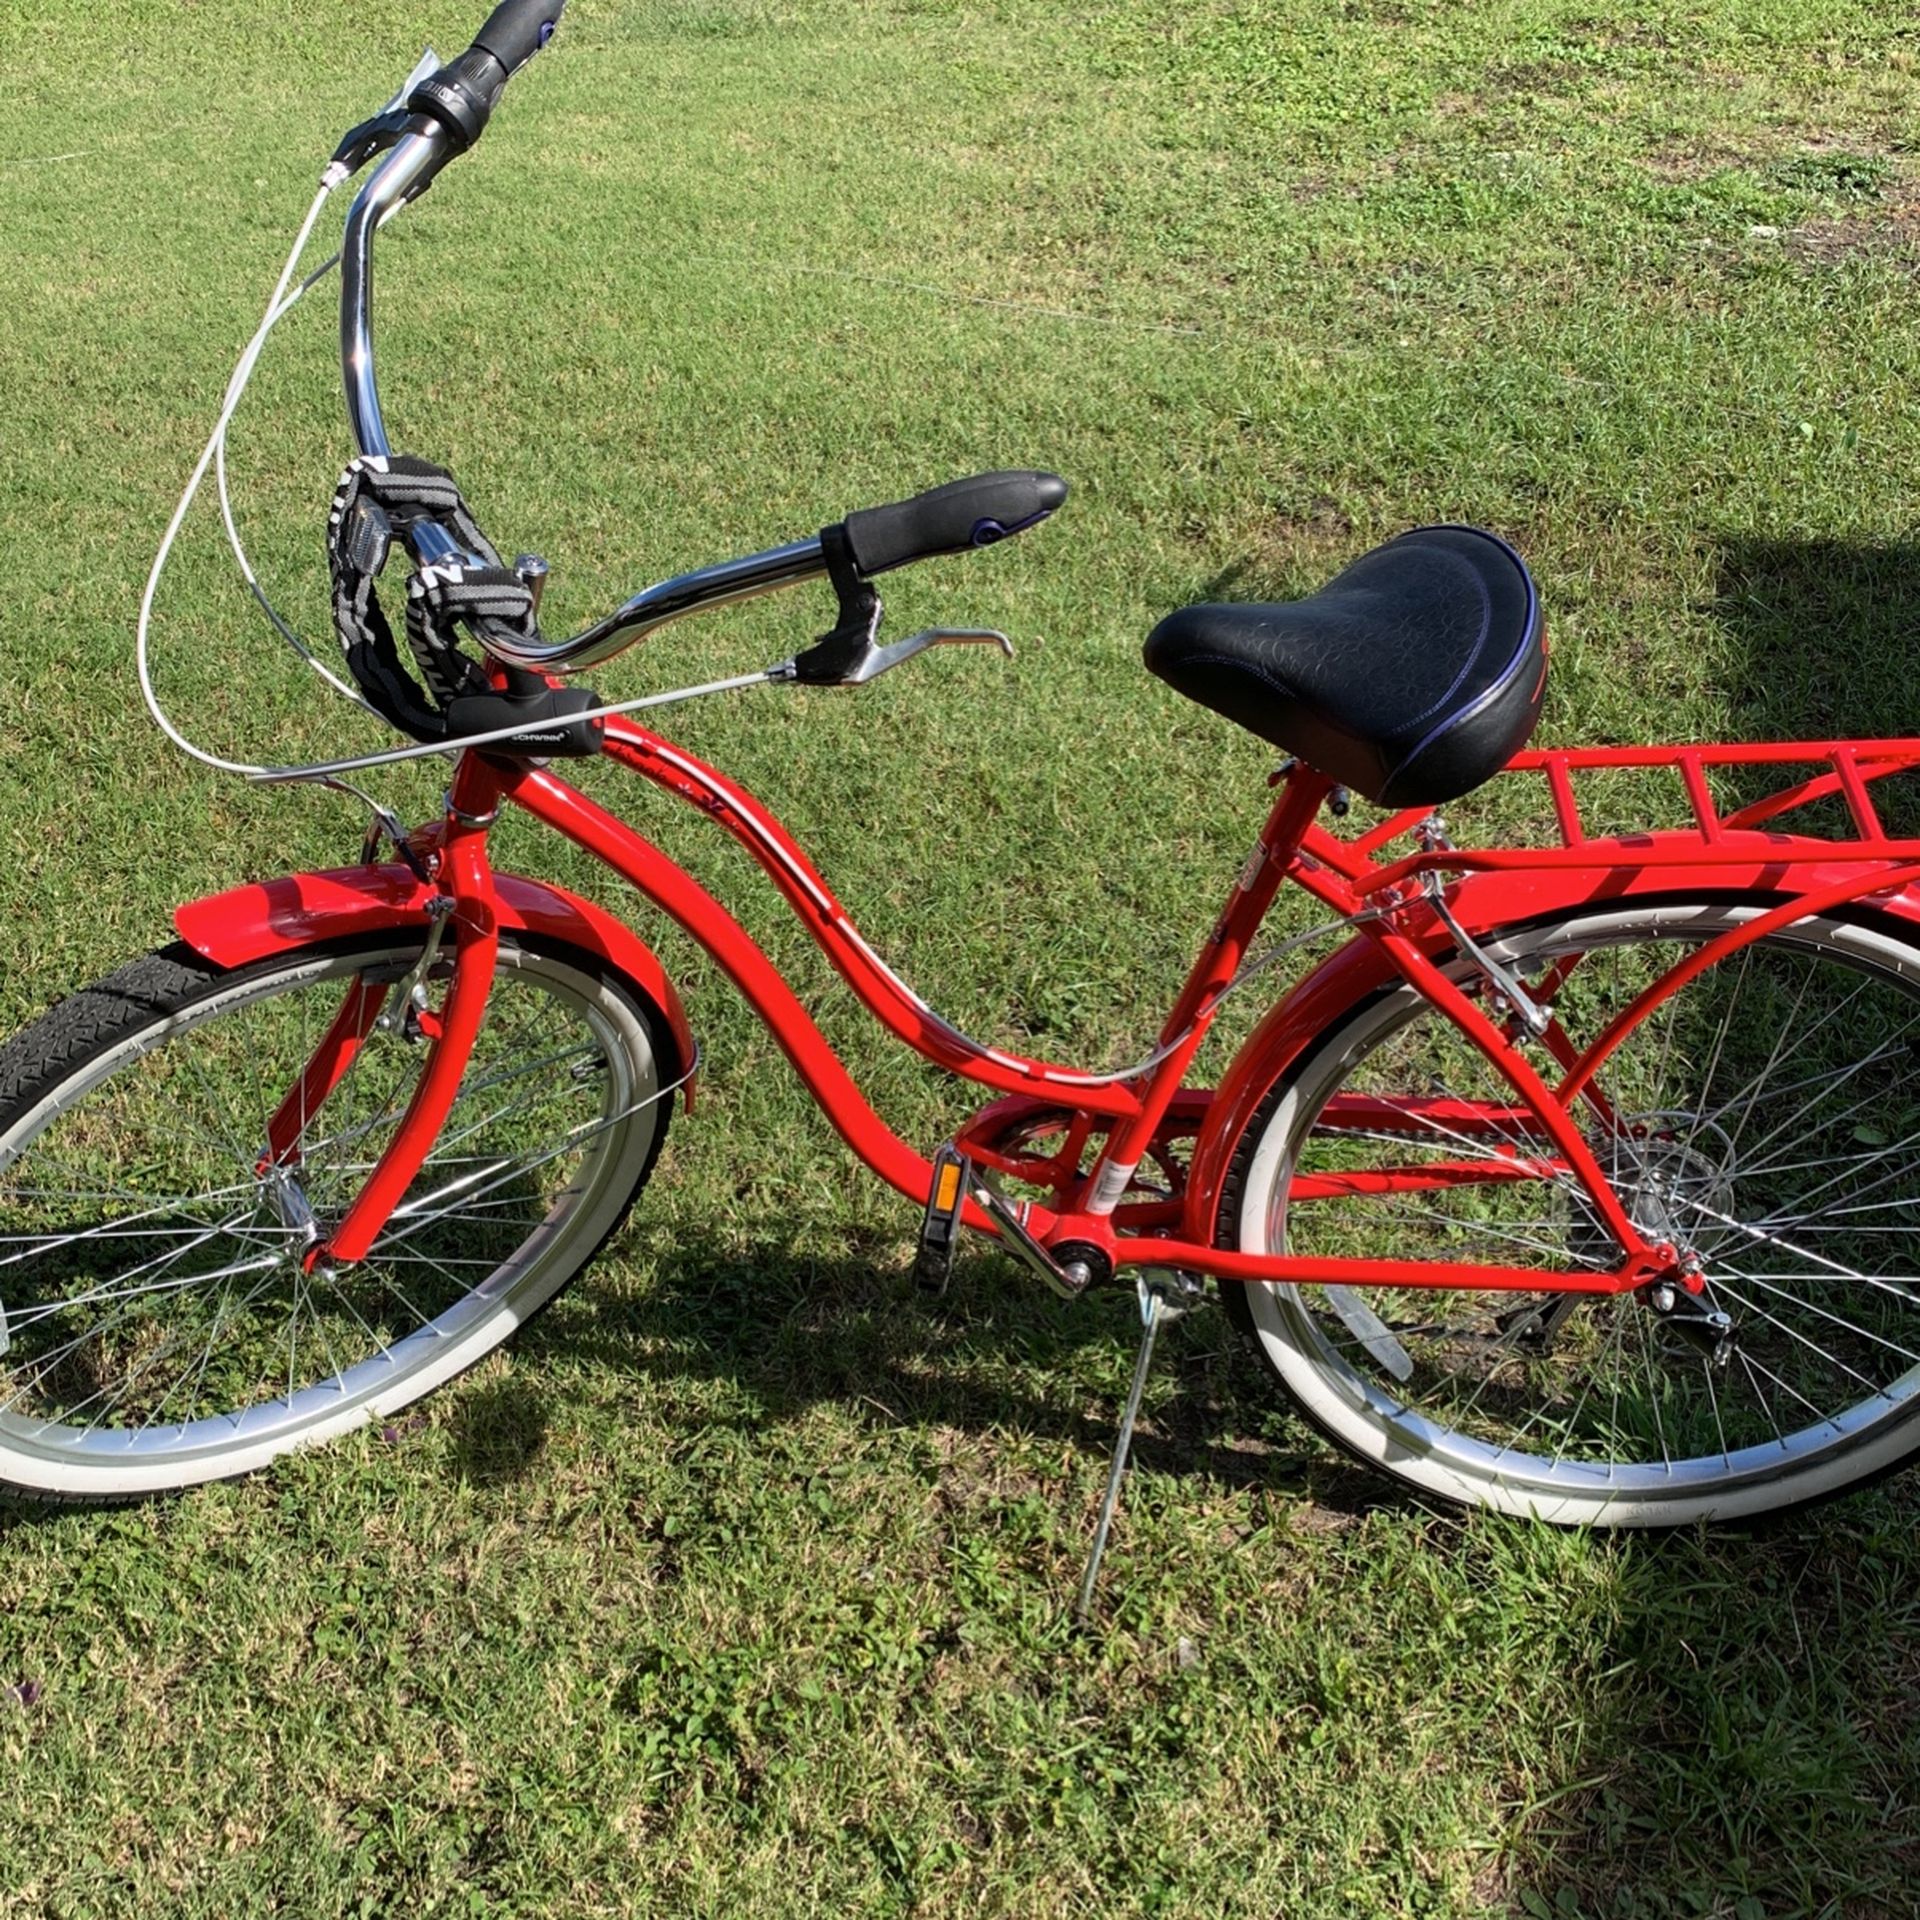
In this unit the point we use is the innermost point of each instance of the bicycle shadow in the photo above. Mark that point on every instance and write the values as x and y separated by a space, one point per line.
783 1335
1769 1662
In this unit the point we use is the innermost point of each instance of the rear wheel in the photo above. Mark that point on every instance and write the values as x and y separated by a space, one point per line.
1766 1116
159 1328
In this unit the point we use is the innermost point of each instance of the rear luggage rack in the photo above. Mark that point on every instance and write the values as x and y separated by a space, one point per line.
1837 769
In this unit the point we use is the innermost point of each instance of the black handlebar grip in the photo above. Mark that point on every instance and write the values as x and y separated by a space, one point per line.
517 29
464 93
950 519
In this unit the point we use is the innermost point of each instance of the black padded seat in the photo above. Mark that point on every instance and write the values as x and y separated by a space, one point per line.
1411 678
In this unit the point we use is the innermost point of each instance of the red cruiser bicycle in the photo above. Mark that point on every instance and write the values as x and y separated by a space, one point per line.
1576 1179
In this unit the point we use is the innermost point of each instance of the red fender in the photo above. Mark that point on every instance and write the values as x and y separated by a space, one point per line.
275 916
1481 902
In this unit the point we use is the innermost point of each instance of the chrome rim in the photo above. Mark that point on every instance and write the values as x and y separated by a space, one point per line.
151 1277
1767 1118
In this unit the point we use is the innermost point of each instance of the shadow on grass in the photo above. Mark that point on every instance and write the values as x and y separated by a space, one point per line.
1825 638
1753 1752
996 1355
1750 1748
1745 1742
498 1431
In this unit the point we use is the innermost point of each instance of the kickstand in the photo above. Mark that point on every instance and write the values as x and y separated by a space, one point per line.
1163 1296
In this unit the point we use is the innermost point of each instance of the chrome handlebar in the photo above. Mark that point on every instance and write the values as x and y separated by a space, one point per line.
685 593
412 163
404 173
382 197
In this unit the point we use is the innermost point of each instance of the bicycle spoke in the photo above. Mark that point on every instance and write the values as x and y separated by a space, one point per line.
1747 1097
1779 1073
1586 1389
1835 1080
1719 1426
44 1363
124 1224
1720 1039
148 1266
1804 1253
24 1318
1865 1333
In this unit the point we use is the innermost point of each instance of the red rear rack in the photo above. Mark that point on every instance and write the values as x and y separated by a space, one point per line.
1843 769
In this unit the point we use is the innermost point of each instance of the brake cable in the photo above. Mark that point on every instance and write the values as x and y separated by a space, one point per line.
327 772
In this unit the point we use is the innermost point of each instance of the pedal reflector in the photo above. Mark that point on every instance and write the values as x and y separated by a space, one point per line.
940 1228
946 1186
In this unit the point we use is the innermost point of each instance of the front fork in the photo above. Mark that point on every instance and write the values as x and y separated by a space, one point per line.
469 922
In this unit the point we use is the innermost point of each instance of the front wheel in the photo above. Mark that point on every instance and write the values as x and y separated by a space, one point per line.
157 1325
1765 1117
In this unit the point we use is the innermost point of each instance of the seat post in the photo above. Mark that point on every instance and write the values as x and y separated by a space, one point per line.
1302 792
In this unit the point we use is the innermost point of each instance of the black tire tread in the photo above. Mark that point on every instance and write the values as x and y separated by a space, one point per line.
1233 1194
171 979
77 1027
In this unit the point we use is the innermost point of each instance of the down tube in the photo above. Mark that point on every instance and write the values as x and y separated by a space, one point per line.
676 892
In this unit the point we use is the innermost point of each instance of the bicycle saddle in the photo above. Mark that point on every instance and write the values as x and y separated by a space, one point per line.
1411 677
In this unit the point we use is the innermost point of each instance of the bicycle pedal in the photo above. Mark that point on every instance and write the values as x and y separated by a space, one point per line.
940 1227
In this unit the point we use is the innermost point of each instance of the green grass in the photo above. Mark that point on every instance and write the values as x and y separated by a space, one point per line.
742 1586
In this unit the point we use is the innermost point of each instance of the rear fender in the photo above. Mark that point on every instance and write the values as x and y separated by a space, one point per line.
275 916
1480 902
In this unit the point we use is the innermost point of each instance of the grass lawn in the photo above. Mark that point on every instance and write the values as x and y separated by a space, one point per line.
742 1586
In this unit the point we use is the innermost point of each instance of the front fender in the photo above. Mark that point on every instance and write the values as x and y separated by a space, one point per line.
275 916
1481 902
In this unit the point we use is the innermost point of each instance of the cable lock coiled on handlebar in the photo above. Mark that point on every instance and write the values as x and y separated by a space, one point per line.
378 499
525 712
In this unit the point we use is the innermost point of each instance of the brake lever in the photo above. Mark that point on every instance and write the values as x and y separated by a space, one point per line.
879 660
359 144
872 661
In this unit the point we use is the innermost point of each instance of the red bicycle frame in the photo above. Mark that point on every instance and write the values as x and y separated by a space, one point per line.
1403 933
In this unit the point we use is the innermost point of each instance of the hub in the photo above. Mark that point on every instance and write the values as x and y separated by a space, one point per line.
1673 1173
290 1204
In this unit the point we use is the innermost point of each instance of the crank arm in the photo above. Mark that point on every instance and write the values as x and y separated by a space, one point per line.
1069 1281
